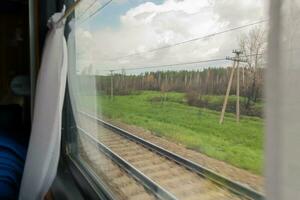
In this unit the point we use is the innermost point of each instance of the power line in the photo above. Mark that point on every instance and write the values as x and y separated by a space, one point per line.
194 39
96 11
178 64
89 7
92 4
169 65
249 55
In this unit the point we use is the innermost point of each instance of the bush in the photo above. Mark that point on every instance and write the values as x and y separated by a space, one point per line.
192 98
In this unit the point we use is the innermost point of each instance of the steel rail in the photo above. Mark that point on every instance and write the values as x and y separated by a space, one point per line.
155 188
203 171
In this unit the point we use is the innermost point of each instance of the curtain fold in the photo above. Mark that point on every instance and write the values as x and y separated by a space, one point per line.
44 145
283 102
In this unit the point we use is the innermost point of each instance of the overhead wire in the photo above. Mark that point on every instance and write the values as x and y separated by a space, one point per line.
88 8
175 64
192 40
96 11
99 9
176 44
172 45
171 65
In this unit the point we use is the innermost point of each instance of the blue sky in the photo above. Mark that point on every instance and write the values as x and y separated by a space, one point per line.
110 15
105 41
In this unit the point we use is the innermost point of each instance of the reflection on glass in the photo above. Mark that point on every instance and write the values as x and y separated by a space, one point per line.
161 70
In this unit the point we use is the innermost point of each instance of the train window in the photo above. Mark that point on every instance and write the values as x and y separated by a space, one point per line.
168 97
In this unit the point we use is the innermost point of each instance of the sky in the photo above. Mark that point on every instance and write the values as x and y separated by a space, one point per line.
121 35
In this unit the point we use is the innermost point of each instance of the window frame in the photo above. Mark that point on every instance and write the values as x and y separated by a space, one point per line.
88 181
91 186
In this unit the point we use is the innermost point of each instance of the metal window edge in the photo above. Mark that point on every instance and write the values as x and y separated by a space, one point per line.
79 168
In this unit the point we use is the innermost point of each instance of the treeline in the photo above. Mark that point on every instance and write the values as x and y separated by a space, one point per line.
210 81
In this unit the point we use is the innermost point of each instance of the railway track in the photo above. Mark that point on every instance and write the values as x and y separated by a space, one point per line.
116 181
163 174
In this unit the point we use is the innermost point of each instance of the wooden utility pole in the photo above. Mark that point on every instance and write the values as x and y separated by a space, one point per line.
237 91
236 60
227 93
243 78
124 84
159 79
111 84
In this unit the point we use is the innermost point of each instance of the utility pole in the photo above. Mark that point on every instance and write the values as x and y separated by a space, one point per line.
236 60
111 85
123 80
159 79
227 93
238 85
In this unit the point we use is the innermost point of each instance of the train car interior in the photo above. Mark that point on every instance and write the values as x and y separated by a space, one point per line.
15 93
149 99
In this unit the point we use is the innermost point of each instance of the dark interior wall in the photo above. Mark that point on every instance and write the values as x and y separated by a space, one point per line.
14 46
14 40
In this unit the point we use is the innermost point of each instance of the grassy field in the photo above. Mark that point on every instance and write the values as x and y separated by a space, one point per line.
215 102
196 128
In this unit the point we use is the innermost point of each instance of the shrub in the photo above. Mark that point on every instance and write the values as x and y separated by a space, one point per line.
192 98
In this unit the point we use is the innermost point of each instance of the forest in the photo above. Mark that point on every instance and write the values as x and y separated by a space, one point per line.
198 86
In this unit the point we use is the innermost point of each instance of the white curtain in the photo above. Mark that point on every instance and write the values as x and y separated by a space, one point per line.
44 145
283 102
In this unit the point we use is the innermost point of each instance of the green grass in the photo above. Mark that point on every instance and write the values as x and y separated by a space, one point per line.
196 128
218 100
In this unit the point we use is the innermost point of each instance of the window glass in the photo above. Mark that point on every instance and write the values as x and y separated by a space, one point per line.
168 96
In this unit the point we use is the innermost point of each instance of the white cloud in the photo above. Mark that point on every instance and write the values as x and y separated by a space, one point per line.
149 26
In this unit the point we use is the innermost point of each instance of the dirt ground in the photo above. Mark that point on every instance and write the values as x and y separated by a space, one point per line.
239 175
